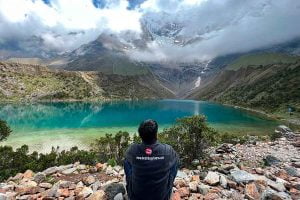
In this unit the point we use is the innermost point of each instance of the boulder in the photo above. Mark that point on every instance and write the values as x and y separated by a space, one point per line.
241 176
212 178
113 189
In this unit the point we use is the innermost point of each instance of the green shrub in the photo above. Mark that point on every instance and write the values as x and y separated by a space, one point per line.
190 137
13 162
112 147
4 130
275 135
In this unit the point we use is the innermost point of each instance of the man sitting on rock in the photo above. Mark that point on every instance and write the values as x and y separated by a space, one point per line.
150 167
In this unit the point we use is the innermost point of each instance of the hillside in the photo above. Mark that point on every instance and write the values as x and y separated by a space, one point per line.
34 82
255 83
107 55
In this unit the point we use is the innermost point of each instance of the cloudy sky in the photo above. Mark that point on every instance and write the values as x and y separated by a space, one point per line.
216 27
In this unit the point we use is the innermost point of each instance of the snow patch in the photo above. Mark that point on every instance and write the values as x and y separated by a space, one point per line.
197 83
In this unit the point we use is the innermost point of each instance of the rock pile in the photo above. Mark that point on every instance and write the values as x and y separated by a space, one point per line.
261 170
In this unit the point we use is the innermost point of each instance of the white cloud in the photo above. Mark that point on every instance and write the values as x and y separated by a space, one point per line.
219 26
23 19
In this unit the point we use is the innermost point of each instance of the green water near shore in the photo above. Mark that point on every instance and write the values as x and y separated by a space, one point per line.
43 125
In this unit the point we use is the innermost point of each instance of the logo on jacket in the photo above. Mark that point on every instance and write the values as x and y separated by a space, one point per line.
148 151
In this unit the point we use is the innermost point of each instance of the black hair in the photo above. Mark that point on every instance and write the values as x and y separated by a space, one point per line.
148 131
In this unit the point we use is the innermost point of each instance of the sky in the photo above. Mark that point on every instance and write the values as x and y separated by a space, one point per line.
217 27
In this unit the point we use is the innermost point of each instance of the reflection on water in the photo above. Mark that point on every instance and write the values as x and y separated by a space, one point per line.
86 120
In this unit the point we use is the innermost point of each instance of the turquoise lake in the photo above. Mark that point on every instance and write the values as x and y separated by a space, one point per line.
43 125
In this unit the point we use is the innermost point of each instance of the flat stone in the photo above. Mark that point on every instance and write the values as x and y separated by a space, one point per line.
50 171
181 174
241 176
212 178
45 185
69 171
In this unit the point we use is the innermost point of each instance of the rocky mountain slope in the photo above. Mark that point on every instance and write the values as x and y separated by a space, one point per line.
34 82
257 170
268 82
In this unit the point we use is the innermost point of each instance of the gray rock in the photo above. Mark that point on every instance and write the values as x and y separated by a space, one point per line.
119 196
271 160
65 184
64 167
181 174
53 191
95 186
69 171
113 189
3 196
203 189
292 171
270 194
241 176
39 177
276 186
50 171
223 181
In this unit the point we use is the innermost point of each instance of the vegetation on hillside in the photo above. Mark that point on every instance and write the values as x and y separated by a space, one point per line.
19 82
262 59
261 85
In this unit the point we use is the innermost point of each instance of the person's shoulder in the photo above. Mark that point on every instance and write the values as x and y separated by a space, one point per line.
132 147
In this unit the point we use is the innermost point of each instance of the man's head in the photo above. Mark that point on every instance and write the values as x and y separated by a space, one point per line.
148 131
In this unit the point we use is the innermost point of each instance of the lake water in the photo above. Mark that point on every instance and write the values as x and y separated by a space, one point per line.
43 125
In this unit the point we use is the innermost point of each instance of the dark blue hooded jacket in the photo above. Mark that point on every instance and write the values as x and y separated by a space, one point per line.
150 171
